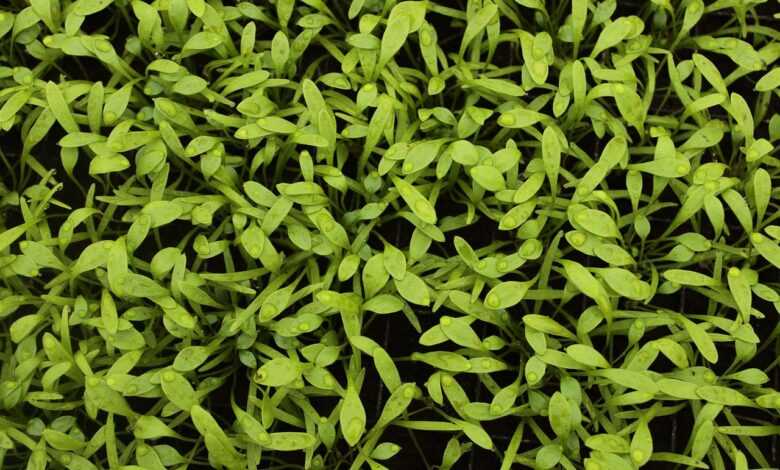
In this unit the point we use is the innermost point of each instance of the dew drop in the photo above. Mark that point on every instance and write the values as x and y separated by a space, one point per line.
506 119
578 239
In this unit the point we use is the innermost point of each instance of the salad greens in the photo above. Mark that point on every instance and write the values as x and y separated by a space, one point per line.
379 233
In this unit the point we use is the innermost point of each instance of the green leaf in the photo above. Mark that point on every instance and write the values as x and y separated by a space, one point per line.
587 355
444 360
608 443
394 262
111 163
219 445
547 325
519 118
612 34
710 72
59 107
460 332
277 372
476 24
103 398
559 414
178 390
587 284
770 81
518 215
394 37
476 433
202 41
630 379
615 151
289 441
22 327
768 249
641 444
280 50
384 303
190 358
507 294
162 212
489 177
673 351
421 155
151 427
385 450
352 417
740 291
594 221
413 289
690 278
421 206
190 85
723 396
551 155
397 403
701 339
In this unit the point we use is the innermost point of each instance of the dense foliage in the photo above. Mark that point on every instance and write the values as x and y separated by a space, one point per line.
379 234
